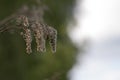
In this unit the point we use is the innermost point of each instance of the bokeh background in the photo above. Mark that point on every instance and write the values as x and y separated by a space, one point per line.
98 24
16 64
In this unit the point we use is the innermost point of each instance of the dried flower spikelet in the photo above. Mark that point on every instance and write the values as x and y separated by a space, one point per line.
22 21
28 39
38 34
52 38
45 31
32 24
53 45
25 21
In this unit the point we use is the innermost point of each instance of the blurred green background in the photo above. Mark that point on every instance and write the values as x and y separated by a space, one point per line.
15 64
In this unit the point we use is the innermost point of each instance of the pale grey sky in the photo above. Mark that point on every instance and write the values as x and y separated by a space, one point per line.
99 21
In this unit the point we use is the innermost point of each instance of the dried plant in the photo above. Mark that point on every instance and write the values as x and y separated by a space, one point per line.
30 22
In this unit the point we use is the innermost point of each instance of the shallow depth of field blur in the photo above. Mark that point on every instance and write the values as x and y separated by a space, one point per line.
88 45
98 28
16 64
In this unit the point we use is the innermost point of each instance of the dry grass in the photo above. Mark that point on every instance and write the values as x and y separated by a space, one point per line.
32 26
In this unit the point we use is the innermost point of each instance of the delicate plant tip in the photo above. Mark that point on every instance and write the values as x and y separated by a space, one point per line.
52 35
28 39
22 21
32 27
38 34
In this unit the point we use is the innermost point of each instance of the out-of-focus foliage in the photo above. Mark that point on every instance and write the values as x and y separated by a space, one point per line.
15 64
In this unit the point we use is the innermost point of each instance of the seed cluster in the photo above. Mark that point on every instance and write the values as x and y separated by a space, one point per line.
39 36
23 23
40 31
52 35
29 20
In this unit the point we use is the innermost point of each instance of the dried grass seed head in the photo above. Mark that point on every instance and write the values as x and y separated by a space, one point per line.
28 40
22 21
52 36
33 24
39 36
